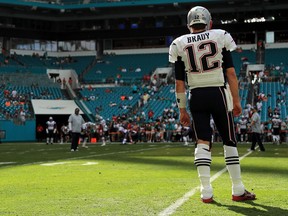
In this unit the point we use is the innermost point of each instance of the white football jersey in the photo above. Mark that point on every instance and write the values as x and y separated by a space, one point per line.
276 122
202 56
51 125
243 123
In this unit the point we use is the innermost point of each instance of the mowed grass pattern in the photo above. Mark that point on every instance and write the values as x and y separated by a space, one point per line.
141 179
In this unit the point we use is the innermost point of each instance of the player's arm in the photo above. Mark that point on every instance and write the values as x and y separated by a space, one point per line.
180 90
232 81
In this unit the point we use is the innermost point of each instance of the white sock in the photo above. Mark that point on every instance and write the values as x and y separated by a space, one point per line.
203 162
233 167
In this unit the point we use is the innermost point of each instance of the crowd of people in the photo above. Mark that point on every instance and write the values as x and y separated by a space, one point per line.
165 128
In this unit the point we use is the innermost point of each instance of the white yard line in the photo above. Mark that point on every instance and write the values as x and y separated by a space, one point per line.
178 203
98 155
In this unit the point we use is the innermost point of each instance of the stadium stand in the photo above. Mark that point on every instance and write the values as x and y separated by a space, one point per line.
126 66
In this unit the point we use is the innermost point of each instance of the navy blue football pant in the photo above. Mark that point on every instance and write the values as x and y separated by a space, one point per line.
211 102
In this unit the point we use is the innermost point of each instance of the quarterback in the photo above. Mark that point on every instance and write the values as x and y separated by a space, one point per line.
203 62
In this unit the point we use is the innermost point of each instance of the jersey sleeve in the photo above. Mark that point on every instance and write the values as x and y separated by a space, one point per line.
173 53
229 43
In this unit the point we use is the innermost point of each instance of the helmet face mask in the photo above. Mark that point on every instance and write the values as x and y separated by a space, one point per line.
199 15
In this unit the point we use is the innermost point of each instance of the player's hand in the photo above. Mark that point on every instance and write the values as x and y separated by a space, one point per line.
237 110
184 117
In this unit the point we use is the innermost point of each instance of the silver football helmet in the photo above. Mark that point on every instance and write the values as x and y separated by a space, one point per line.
199 15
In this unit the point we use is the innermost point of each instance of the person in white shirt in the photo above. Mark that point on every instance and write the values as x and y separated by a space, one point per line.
75 123
256 130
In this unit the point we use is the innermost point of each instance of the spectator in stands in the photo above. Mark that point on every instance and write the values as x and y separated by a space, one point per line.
172 90
14 93
134 89
8 103
6 93
112 104
64 82
108 90
22 116
123 97
259 106
146 97
276 110
6 61
70 81
138 70
173 105
262 97
150 114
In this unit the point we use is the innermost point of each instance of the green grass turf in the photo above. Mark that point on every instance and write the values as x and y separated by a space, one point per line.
141 179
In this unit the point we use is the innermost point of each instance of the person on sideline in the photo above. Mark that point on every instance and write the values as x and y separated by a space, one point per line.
75 123
203 60
255 127
51 129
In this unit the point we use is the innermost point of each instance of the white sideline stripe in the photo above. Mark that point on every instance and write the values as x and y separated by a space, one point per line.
173 207
53 164
3 163
99 155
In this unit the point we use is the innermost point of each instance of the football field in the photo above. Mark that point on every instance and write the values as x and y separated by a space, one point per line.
142 179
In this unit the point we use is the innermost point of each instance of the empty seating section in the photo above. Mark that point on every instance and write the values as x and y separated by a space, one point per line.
276 56
27 79
77 63
125 66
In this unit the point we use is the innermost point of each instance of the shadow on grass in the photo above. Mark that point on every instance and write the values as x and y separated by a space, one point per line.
171 156
254 209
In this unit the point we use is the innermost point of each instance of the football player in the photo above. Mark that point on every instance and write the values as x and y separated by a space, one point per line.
202 60
50 130
243 129
276 127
